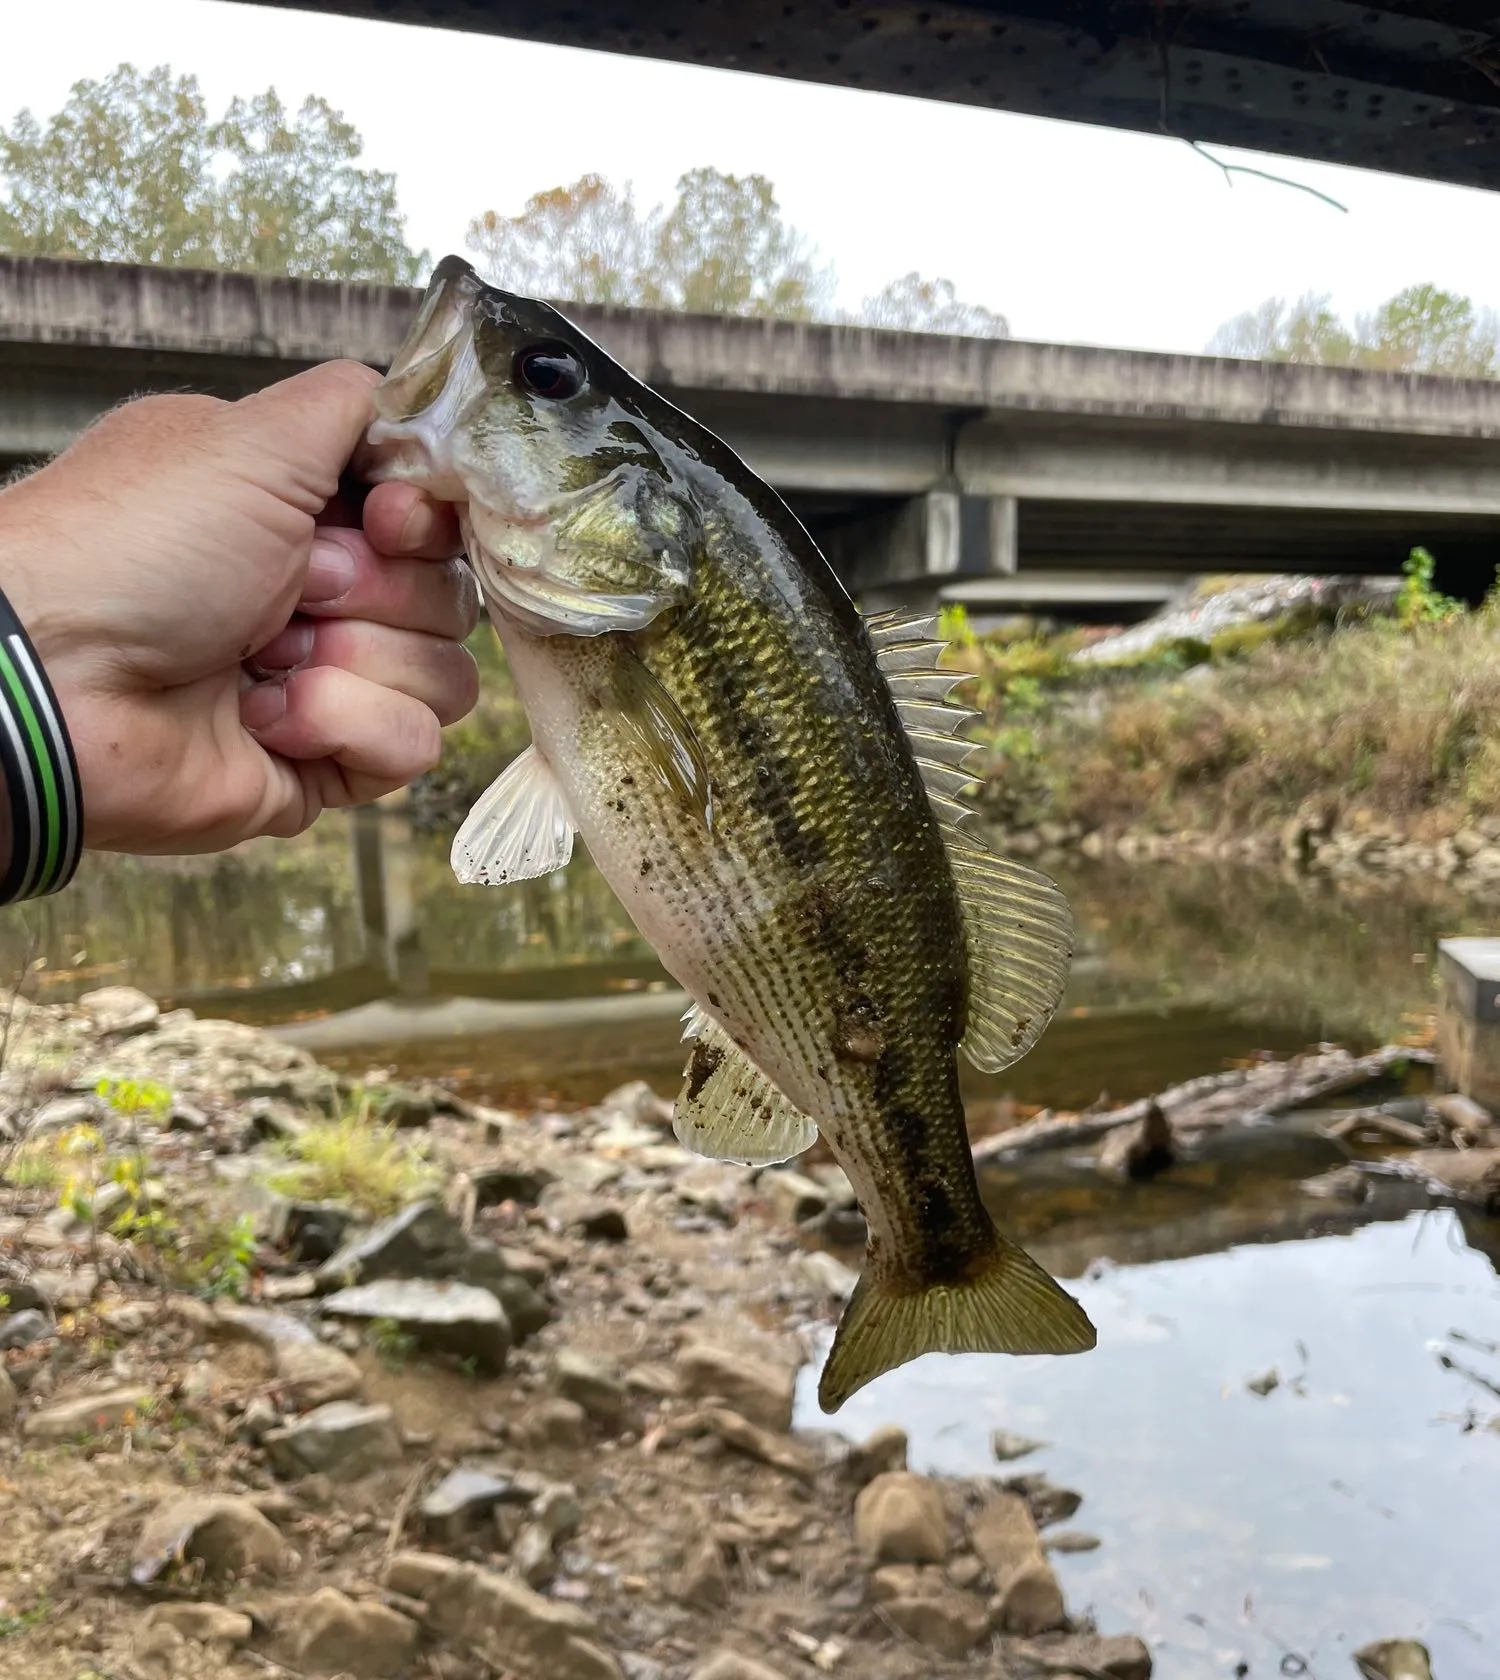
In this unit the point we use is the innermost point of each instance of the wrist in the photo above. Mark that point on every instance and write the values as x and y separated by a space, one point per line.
38 773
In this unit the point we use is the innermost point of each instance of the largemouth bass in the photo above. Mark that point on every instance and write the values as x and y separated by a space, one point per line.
767 781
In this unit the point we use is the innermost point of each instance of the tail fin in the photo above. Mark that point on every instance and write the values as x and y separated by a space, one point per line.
1008 1305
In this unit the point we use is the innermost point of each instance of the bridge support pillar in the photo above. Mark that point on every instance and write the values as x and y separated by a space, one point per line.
927 541
383 873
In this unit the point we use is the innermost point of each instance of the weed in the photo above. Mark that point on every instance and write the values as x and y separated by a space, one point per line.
15 1623
1418 602
136 1099
393 1346
354 1159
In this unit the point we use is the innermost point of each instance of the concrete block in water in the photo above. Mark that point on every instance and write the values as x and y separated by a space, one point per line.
1469 1017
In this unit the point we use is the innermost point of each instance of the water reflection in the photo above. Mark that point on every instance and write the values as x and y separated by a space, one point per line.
1348 1504
1180 967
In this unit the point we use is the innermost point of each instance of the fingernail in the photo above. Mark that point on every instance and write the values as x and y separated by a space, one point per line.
262 706
331 571
284 652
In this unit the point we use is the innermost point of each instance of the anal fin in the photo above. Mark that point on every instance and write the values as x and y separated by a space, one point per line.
728 1109
519 827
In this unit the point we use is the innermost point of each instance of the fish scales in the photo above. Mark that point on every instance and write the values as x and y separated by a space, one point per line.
708 713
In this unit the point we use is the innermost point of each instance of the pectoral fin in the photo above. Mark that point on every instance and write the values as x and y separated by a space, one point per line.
661 739
519 827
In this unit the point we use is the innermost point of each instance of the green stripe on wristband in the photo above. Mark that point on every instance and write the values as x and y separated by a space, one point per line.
40 775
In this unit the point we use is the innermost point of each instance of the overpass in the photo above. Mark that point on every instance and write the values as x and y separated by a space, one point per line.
1007 474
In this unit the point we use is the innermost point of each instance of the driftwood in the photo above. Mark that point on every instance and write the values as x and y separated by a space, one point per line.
1467 1175
1238 1096
1377 1120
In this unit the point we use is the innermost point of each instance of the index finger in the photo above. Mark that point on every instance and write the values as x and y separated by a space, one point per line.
403 520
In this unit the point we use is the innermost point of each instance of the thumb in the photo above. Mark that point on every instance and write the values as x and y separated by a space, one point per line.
298 435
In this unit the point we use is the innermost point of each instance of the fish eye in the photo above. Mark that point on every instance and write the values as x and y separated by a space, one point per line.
549 370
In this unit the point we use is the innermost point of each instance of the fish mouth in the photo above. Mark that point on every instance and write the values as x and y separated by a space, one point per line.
433 379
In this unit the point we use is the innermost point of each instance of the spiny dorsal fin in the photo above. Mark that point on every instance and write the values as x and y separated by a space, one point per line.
728 1109
1017 925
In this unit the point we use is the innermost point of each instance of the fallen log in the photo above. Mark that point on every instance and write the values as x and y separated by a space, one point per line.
1240 1095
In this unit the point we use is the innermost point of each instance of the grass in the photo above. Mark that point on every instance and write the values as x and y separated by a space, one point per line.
353 1159
1397 722
1390 716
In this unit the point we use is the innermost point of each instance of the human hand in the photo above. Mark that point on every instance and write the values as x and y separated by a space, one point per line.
234 648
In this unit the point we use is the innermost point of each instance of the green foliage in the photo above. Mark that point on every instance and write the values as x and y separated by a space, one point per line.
136 1099
353 1159
132 169
225 1259
15 1623
1422 329
722 247
393 1346
1418 602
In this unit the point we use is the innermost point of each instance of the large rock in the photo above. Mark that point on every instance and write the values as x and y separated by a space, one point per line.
794 1197
517 1630
1117 1657
22 1329
313 1373
228 1537
456 1318
88 1414
342 1440
877 1455
120 1010
943 1620
422 1241
1004 1534
462 1499
1394 1659
332 1634
208 1624
594 1384
756 1387
901 1518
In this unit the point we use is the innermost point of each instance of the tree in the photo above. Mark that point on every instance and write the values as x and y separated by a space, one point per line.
1307 331
132 170
1426 330
912 304
722 247
1422 329
584 244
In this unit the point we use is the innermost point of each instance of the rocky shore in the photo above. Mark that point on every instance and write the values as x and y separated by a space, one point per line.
307 1378
1314 841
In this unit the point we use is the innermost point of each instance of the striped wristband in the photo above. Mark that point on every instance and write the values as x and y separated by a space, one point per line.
41 775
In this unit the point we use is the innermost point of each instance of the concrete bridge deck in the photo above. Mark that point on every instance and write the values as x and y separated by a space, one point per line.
1002 471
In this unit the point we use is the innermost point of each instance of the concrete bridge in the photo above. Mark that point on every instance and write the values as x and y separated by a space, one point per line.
1006 474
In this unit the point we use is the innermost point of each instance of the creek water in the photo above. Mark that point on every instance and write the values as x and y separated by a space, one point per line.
1359 1498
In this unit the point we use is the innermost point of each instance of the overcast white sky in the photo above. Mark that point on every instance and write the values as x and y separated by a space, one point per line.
1076 234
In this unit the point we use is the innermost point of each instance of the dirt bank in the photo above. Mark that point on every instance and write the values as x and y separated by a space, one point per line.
303 1378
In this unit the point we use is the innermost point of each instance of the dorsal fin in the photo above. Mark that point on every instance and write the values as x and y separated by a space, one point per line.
728 1109
1017 926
